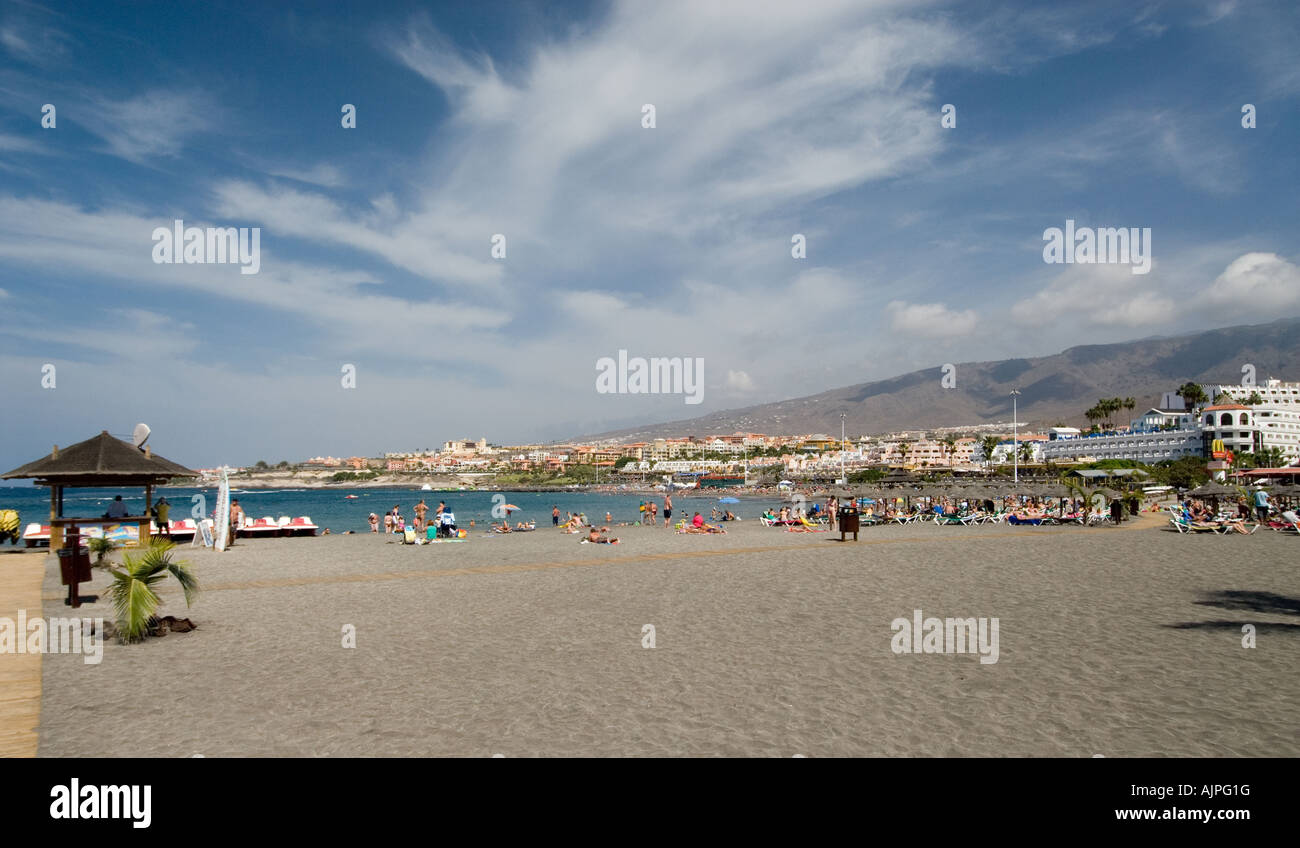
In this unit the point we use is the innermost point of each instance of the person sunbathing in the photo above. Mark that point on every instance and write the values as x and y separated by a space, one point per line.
599 537
1236 525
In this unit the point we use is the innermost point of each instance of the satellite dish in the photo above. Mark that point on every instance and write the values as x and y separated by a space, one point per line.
140 435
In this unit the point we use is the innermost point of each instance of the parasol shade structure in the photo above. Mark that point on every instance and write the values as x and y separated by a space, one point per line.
100 461
103 460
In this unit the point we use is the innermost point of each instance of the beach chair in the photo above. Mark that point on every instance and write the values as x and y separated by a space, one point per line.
1185 526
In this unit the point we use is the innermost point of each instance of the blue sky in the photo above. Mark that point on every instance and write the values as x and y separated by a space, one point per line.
821 118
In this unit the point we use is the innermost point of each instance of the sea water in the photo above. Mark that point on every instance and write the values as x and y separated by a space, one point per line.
333 509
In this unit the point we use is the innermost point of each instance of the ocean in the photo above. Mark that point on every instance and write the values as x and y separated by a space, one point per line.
331 508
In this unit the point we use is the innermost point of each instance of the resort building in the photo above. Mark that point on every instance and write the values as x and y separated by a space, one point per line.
1168 434
1156 435
1275 393
1280 428
1245 429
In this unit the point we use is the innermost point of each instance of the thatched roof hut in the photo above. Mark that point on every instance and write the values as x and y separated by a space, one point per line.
101 460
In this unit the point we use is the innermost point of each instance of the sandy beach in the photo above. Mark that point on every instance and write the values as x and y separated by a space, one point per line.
1114 641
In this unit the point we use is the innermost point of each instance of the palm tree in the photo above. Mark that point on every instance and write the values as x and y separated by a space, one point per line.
903 448
134 599
101 546
1079 491
950 445
1130 404
1254 399
1026 452
1192 394
1110 406
988 444
1271 457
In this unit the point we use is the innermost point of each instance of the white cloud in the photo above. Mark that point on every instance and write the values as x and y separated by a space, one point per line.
739 381
321 174
932 320
1260 283
154 124
1105 295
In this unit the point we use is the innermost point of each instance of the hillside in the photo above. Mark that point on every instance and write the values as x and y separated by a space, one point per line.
1053 388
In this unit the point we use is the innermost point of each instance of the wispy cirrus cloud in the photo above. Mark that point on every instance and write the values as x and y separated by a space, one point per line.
153 125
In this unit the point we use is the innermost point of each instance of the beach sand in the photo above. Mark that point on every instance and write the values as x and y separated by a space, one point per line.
1113 641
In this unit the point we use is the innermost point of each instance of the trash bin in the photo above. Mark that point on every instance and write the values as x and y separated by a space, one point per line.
847 516
74 566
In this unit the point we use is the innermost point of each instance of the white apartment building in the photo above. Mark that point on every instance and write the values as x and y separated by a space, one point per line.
1245 429
1280 428
1161 434
1274 393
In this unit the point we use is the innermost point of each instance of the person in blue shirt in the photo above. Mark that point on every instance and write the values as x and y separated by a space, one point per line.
1261 505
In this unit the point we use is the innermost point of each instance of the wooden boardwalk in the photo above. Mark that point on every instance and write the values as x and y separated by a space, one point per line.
21 575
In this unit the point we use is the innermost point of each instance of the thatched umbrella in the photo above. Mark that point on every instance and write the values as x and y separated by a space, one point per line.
102 460
1214 489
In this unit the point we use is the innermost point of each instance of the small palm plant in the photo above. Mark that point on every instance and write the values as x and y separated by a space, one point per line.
1080 491
134 599
101 546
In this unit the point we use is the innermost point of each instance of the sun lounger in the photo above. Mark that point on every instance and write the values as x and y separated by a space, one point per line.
1185 526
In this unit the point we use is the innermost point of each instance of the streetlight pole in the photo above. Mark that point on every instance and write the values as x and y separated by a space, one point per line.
844 480
1015 437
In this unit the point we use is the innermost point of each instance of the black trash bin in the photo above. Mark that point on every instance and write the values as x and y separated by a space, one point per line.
74 568
848 519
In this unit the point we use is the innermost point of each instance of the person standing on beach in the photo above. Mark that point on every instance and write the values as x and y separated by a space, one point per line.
555 515
388 522
1261 505
236 519
668 507
420 509
160 511
374 523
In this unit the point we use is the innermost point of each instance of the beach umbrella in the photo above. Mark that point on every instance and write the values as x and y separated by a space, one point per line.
1214 489
510 507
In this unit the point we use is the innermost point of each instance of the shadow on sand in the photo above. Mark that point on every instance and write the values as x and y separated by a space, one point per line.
1256 602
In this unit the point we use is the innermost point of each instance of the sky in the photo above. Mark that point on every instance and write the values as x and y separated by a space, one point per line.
380 319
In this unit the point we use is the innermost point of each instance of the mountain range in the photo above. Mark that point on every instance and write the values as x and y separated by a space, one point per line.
1053 389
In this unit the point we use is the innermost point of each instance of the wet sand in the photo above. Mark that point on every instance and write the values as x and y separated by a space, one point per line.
1114 641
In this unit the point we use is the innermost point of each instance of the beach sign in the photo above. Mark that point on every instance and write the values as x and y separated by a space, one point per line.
205 532
222 517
